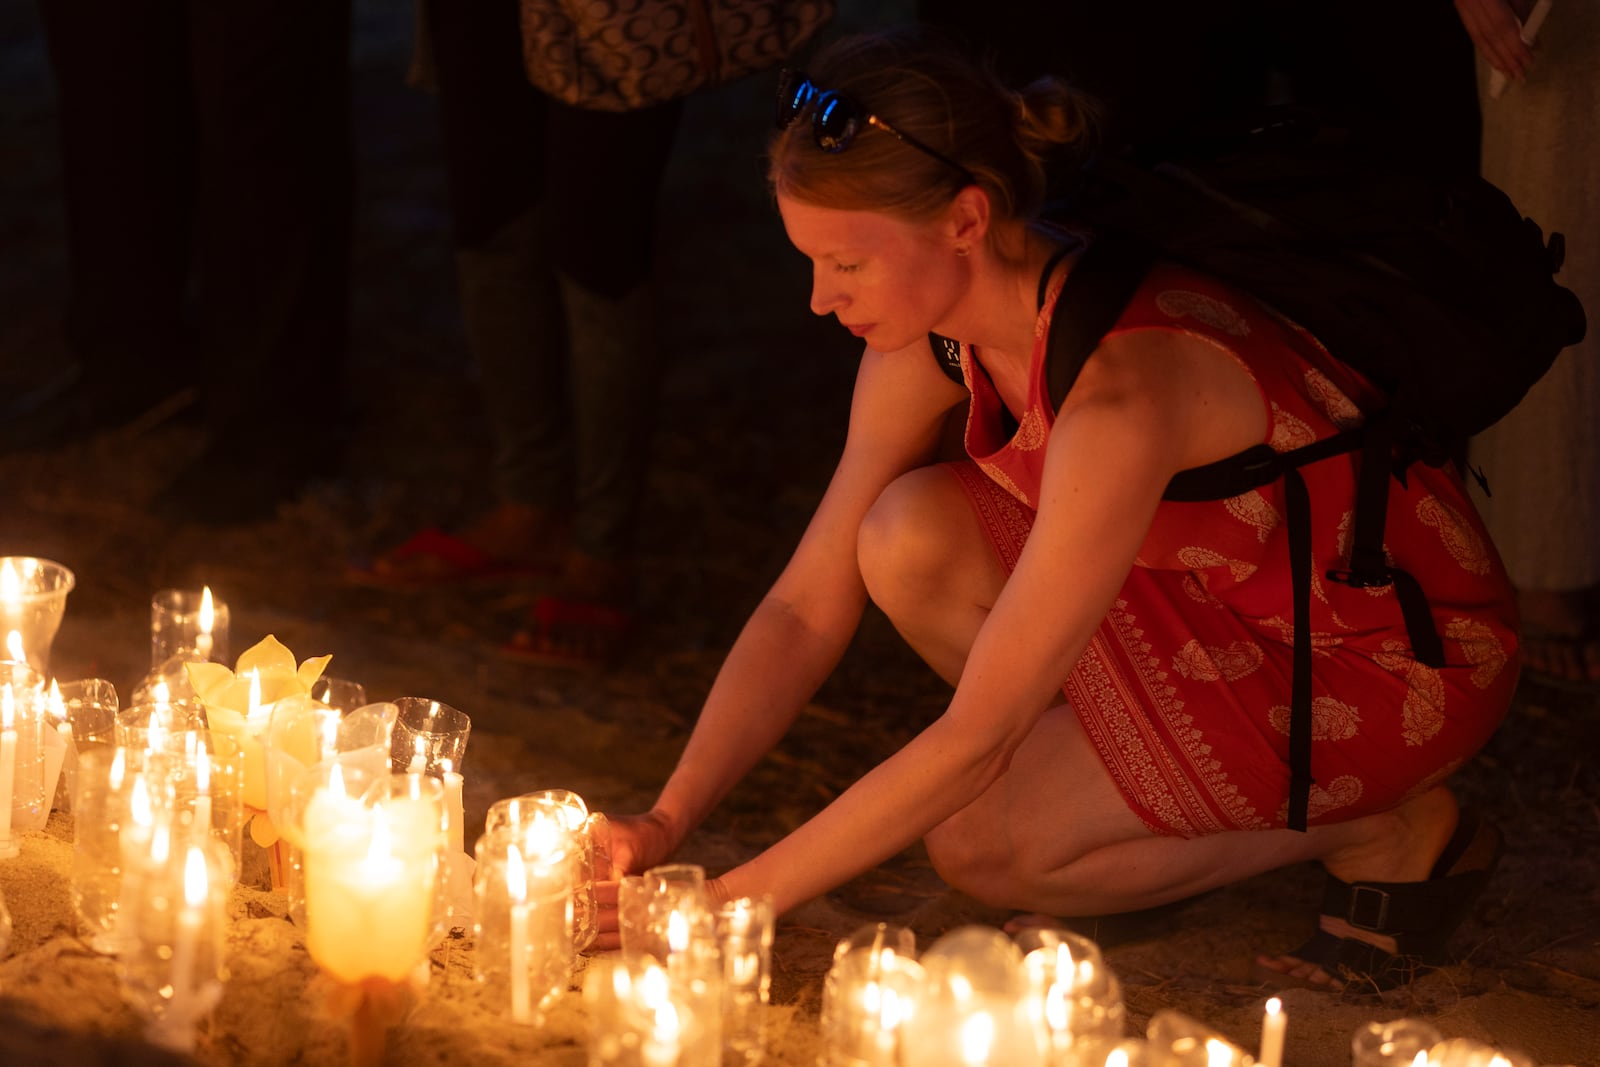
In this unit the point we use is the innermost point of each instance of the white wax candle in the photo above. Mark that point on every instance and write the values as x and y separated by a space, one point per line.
202 785
455 816
517 890
369 885
8 770
187 936
1273 1023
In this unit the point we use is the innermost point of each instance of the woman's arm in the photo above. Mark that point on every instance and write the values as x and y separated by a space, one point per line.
800 630
1151 405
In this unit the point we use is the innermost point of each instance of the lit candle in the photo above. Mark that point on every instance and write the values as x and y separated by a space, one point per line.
196 888
455 815
16 652
663 1045
1273 1023
207 619
369 885
8 768
202 786
68 746
419 756
517 890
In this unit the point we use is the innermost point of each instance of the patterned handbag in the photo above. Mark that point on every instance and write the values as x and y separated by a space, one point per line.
619 55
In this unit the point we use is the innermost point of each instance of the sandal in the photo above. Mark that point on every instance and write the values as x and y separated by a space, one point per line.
570 633
433 558
1562 660
1419 916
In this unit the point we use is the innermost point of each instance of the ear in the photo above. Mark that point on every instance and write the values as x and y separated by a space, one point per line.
967 217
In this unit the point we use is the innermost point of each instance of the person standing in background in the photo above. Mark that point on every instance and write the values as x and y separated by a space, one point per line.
1543 460
206 159
554 213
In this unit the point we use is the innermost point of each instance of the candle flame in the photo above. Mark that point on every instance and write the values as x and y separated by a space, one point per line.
10 583
1118 1057
195 885
118 769
677 931
1420 1059
139 802
419 758
977 1038
160 844
160 693
14 648
336 782
516 875
654 988
208 616
1274 1006
1218 1053
56 703
330 732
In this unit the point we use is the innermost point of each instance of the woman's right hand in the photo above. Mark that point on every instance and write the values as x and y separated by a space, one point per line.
638 842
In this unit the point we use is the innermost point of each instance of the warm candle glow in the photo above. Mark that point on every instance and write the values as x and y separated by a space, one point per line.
208 611
677 932
1117 1058
517 890
1273 1023
977 1038
195 884
14 650
1218 1053
10 583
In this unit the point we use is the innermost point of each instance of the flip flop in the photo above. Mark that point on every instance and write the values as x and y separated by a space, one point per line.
448 561
571 634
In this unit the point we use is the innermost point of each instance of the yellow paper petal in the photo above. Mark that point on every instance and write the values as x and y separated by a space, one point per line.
262 832
277 684
266 655
312 669
227 721
207 679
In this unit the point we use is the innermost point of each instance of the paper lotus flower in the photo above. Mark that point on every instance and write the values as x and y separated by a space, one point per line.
239 703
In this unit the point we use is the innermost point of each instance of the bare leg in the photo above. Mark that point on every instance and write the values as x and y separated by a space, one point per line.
1054 834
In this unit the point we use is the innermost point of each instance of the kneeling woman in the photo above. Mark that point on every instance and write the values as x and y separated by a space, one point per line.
1047 564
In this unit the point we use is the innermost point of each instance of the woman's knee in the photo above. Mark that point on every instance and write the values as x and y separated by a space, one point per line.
918 542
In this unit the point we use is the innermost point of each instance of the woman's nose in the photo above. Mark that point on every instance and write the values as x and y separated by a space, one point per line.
826 297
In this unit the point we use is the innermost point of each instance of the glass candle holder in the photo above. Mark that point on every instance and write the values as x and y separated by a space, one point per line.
1186 1042
149 725
370 873
1465 1052
200 775
33 599
636 1019
973 1005
868 996
744 931
339 693
593 836
523 913
428 737
103 807
185 622
1076 996
89 707
175 914
346 777
24 802
1392 1044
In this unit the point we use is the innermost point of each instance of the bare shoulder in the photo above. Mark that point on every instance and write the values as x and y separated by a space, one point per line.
1177 385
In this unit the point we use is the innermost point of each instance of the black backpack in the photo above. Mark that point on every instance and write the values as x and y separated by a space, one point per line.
1436 289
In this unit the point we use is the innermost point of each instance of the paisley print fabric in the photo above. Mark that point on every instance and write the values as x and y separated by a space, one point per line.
1184 688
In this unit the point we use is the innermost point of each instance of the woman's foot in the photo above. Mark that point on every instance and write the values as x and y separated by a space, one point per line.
1561 635
509 540
1410 846
585 622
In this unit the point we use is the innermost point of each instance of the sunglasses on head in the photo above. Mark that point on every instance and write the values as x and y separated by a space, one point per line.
837 118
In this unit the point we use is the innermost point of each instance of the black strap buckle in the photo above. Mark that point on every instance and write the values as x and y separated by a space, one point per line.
1361 579
1369 908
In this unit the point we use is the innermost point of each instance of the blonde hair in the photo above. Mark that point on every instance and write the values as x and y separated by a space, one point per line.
927 89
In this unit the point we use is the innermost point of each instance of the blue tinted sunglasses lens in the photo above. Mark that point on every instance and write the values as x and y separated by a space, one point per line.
833 122
794 92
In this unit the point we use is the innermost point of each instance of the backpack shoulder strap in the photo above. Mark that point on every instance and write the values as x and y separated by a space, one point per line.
1092 298
947 353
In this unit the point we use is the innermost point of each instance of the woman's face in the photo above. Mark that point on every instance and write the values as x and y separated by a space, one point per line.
888 280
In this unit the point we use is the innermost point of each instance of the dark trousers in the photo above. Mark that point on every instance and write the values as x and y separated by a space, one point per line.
554 212
206 164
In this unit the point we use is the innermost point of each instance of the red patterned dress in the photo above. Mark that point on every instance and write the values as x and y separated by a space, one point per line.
1184 688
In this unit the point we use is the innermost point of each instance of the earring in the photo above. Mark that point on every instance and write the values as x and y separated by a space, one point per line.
962 250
